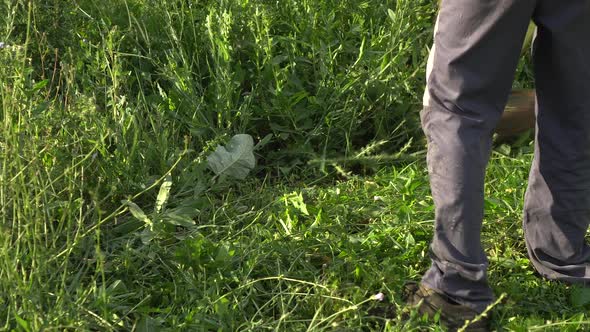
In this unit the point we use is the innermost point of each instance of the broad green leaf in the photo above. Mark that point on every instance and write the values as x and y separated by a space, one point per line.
163 194
178 219
137 212
22 323
147 235
236 159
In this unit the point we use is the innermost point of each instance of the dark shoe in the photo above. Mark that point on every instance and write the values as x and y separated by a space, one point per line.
452 314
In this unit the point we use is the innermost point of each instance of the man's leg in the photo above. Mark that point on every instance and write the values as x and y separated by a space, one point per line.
471 69
557 204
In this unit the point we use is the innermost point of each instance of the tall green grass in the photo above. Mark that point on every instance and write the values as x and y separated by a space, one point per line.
102 100
105 103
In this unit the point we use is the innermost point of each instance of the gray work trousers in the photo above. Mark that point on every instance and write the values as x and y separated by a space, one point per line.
470 73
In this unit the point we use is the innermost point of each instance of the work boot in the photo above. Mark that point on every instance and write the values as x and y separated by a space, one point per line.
452 314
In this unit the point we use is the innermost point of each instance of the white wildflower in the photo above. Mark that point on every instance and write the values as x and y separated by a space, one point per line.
379 297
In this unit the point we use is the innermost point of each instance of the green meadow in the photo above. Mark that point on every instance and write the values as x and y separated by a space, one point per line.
234 165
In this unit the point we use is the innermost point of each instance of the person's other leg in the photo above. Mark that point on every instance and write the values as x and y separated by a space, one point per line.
471 69
557 203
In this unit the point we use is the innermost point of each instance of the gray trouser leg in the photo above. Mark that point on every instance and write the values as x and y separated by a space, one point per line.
471 69
557 204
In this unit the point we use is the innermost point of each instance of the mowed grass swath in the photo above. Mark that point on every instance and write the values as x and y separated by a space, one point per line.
113 219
